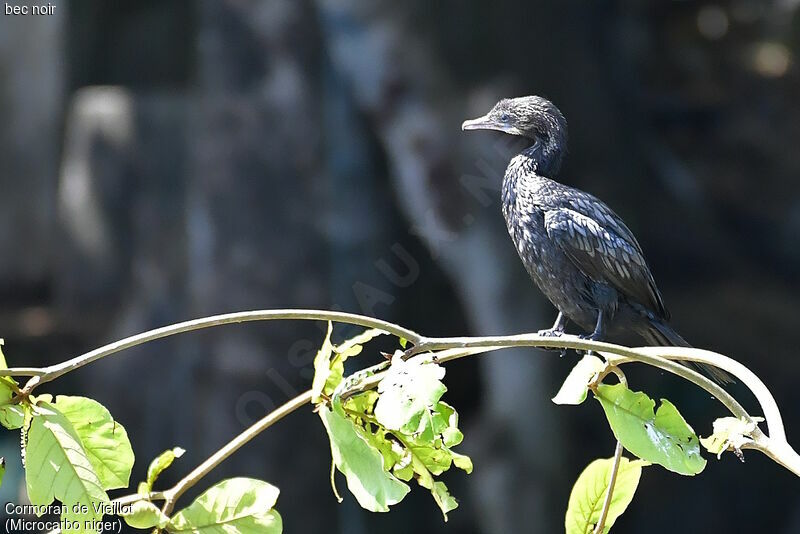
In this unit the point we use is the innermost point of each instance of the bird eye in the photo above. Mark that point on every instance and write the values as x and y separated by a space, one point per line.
504 117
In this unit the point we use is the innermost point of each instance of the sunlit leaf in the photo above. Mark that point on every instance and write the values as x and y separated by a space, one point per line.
144 515
353 346
326 378
441 495
12 416
104 440
157 466
662 437
58 467
576 385
408 391
362 464
235 505
589 493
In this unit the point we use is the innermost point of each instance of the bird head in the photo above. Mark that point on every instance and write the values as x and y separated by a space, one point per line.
532 117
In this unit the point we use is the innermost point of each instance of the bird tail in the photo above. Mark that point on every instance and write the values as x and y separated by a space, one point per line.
661 334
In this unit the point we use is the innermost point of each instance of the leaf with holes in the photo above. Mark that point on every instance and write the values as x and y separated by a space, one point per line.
409 393
662 437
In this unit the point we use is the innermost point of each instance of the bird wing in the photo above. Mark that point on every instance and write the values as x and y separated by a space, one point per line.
605 252
591 206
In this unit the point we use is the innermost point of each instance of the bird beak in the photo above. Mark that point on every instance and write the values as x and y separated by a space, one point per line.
481 123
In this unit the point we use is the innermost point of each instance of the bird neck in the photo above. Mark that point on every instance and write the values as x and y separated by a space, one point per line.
546 155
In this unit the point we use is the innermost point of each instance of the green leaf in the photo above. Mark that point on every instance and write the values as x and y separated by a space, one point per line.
104 440
236 505
663 438
58 467
12 416
462 461
407 392
441 495
144 514
576 385
363 403
353 346
730 433
327 374
361 463
403 342
589 493
424 467
329 361
158 465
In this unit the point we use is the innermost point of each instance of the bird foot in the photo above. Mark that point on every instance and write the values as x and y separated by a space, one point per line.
550 332
594 336
553 332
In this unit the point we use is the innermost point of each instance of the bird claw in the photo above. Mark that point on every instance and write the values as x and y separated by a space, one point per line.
550 332
594 336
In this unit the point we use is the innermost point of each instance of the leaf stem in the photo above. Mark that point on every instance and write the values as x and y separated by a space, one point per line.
601 523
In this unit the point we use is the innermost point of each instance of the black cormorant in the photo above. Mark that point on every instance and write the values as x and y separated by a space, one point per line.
577 250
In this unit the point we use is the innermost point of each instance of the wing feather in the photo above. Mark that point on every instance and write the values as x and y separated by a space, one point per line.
604 249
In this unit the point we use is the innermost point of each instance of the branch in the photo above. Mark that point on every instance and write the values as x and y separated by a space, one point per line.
660 357
171 495
775 445
47 374
444 350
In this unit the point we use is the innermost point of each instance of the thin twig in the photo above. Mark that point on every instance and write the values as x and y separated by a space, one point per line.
601 523
171 495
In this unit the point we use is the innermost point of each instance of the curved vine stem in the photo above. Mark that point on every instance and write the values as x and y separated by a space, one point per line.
445 349
47 374
661 357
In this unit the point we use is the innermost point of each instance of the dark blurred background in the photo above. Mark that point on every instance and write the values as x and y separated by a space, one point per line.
161 161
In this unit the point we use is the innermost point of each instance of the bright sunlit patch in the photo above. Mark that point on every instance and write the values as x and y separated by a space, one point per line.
771 59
